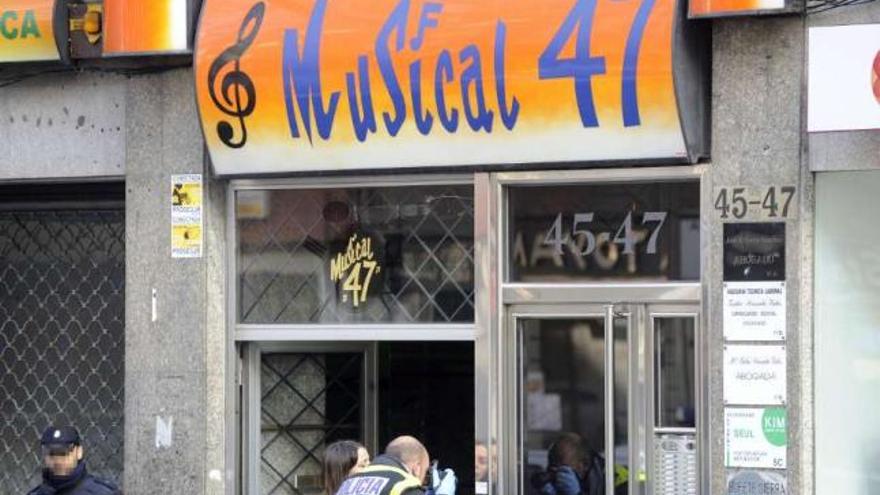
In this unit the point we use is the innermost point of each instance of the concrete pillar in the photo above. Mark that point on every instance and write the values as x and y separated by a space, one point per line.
757 140
219 349
166 400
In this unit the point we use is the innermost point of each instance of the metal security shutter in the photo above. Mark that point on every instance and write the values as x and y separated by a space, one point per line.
62 342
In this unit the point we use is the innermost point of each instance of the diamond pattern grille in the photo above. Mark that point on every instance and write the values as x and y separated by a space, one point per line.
307 401
62 344
423 235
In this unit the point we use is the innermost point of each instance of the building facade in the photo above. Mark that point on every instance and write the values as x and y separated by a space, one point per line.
226 248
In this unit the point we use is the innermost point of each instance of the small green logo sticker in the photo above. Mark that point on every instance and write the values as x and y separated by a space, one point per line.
774 425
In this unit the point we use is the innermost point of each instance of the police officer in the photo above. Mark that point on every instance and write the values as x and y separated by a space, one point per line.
64 470
401 470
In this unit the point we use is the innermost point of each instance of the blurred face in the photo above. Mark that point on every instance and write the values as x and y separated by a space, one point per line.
420 469
481 462
60 463
363 461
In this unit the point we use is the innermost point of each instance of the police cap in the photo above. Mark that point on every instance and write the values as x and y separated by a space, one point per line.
60 436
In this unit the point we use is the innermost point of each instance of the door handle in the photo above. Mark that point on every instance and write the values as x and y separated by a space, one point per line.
609 399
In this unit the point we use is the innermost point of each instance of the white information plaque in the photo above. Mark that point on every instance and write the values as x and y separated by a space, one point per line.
755 437
754 311
754 374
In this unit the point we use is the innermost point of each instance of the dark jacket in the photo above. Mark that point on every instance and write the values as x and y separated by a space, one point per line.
592 484
80 482
385 476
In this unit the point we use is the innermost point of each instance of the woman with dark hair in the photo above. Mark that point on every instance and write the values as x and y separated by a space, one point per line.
342 459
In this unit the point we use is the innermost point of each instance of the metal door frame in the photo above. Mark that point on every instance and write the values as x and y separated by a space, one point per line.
252 387
244 341
311 332
512 377
641 385
493 305
700 430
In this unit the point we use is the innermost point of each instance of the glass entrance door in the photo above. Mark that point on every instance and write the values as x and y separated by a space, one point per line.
302 398
606 398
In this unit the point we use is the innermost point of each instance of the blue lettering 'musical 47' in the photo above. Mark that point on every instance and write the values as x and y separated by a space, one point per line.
311 111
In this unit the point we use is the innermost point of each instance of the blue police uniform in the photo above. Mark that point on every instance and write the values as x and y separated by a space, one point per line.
83 485
385 476
79 482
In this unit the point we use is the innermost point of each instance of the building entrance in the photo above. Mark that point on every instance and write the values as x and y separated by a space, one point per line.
599 332
309 396
608 391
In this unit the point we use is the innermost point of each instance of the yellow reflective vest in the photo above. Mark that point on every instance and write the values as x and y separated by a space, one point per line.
386 476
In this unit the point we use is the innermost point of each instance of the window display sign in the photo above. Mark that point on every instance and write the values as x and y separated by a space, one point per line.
146 27
354 269
755 438
844 78
754 374
289 85
632 231
26 33
355 255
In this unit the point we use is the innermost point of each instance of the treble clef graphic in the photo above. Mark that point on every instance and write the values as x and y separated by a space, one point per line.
234 84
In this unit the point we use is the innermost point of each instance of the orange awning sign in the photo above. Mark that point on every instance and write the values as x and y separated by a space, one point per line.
295 85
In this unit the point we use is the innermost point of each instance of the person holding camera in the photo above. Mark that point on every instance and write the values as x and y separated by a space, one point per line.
573 469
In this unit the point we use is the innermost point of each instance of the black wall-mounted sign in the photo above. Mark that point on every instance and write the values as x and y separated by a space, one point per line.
754 252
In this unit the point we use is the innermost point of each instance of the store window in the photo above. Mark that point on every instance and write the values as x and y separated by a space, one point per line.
640 232
356 255
847 340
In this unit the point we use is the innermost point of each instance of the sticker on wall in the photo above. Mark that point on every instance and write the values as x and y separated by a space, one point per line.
755 438
754 374
756 483
186 216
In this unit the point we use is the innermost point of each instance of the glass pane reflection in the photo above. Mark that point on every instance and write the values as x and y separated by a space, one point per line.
626 231
674 363
401 254
562 369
